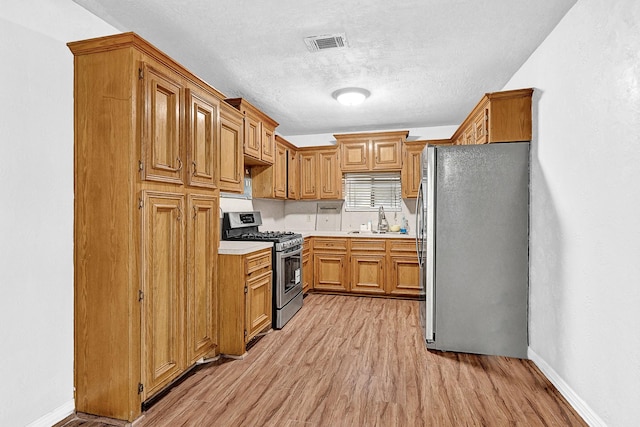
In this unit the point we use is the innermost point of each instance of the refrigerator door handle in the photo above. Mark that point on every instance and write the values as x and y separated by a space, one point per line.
419 223
428 233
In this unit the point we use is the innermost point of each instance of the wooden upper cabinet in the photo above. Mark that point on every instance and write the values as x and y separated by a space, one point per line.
280 166
293 174
259 133
387 153
230 156
268 143
412 165
320 175
162 150
203 117
252 137
498 117
329 176
412 168
271 181
308 174
355 156
363 152
480 124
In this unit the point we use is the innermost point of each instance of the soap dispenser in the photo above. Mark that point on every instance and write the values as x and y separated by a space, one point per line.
404 227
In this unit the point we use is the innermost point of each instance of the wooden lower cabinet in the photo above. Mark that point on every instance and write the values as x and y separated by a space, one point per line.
307 266
245 295
202 274
330 268
162 299
365 266
329 272
403 269
368 264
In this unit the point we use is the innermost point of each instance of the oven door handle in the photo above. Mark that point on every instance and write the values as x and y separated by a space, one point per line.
290 252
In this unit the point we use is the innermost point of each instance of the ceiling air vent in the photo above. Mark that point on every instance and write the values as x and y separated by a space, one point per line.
327 41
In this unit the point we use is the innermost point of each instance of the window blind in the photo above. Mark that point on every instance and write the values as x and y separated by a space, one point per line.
369 191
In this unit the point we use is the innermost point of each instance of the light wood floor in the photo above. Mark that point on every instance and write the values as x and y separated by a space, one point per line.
349 361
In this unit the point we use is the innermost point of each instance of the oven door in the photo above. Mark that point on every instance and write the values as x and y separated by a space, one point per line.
288 275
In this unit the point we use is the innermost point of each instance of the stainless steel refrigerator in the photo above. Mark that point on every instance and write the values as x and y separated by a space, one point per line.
472 226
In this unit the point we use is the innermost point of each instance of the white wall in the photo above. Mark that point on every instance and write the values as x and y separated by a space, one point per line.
436 132
36 213
585 212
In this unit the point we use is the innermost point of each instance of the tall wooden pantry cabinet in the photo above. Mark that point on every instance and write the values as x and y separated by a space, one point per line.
146 222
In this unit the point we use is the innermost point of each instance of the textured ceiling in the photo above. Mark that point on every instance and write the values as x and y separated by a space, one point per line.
425 62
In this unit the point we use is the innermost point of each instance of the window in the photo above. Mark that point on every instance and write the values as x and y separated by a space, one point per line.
369 191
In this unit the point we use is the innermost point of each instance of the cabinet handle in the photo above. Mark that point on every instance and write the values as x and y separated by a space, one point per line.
179 218
195 212
194 168
179 164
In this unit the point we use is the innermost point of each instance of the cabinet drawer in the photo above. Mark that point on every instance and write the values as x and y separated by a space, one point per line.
368 245
402 245
258 260
330 244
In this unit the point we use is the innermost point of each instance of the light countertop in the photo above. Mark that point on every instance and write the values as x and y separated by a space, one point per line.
361 234
232 247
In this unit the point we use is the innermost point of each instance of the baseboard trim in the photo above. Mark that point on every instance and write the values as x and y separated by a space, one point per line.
585 411
55 416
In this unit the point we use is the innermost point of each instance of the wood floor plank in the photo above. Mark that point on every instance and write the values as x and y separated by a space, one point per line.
356 361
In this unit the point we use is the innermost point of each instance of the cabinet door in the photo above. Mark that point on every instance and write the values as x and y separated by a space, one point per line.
202 244
203 117
280 170
330 175
307 272
404 280
411 170
161 136
231 154
480 126
329 272
258 303
387 154
293 176
469 136
162 289
252 136
268 144
367 273
354 156
308 189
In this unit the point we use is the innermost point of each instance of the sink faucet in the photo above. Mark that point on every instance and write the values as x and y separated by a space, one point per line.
383 224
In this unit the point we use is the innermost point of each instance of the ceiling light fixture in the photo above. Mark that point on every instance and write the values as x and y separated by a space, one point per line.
351 95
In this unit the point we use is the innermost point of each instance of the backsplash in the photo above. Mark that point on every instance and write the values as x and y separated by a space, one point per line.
294 215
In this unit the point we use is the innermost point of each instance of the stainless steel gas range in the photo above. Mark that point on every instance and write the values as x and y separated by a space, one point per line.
287 260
